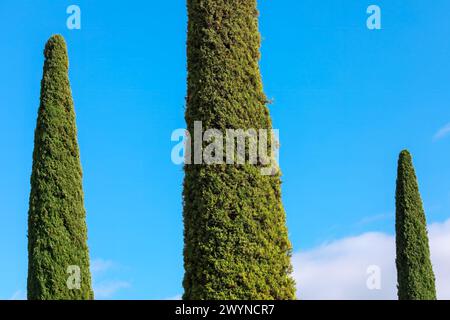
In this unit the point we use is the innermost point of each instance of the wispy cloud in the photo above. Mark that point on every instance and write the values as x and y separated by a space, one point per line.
371 219
107 289
18 295
100 265
338 270
442 133
104 287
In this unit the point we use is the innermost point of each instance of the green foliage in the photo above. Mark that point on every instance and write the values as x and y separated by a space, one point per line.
57 234
236 240
414 270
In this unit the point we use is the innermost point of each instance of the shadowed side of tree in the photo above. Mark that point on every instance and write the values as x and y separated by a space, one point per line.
57 233
236 240
414 269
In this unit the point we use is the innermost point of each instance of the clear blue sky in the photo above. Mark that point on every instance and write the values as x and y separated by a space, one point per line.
346 101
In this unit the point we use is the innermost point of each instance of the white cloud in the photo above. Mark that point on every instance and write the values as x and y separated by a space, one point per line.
443 132
18 295
338 270
371 219
104 287
107 289
100 265
440 256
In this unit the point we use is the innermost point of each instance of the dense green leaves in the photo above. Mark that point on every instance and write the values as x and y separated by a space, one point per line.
236 240
414 270
57 235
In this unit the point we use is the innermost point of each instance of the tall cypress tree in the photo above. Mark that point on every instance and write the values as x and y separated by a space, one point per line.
236 240
57 233
414 270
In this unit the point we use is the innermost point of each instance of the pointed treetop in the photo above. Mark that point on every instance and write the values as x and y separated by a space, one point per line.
405 154
56 50
406 167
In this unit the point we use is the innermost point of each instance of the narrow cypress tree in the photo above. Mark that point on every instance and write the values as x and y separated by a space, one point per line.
57 234
415 275
236 240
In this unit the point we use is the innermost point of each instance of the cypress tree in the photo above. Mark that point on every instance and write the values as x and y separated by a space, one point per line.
236 240
57 233
415 275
